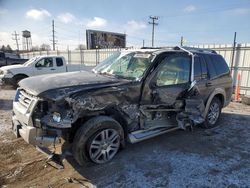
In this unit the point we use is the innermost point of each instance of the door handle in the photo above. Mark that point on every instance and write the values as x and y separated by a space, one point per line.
209 84
52 69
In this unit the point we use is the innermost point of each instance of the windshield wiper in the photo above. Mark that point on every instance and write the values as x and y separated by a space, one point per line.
105 74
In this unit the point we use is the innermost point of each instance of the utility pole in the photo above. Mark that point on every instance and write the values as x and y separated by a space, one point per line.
153 18
234 46
16 39
143 42
182 40
53 35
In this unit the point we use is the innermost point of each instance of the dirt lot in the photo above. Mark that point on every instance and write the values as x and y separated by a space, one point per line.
218 157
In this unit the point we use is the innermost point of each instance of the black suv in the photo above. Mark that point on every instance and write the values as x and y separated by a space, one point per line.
130 97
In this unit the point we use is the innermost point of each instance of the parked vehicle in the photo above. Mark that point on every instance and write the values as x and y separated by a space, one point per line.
37 66
130 97
10 59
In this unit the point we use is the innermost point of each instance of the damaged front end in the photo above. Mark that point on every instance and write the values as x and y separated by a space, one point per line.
42 123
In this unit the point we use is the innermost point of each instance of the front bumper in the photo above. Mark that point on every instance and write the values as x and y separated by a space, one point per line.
33 135
22 126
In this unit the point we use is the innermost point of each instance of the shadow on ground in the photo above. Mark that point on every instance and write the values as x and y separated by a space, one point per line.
215 157
6 104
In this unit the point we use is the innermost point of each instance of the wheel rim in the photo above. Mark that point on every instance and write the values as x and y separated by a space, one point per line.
104 146
213 114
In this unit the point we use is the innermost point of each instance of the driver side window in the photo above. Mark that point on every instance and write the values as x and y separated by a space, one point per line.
45 62
174 70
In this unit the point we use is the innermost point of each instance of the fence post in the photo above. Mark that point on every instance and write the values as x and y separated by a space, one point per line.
69 61
80 51
97 55
234 44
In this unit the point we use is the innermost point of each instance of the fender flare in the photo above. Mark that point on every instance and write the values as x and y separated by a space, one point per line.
215 92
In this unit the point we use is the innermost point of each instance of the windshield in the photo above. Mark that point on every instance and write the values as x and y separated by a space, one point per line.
128 65
30 61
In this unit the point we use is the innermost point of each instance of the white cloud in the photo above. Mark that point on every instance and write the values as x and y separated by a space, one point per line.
96 22
37 14
189 8
135 26
66 17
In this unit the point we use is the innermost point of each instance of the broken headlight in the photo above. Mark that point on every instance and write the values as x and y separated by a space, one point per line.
56 117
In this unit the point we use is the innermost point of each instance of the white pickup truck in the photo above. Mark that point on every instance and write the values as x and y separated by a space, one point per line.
38 65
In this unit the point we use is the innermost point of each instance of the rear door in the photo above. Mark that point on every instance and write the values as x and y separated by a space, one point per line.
201 77
212 81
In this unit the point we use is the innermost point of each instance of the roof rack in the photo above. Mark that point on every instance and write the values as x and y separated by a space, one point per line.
195 49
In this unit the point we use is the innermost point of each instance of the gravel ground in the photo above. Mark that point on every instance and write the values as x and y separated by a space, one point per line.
219 157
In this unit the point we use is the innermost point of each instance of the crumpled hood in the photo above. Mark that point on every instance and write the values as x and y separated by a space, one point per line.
53 82
9 67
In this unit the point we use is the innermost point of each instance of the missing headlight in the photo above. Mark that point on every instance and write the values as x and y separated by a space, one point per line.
57 117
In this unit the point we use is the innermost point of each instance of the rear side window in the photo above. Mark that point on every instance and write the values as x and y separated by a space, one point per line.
210 66
200 68
220 64
203 69
197 68
59 62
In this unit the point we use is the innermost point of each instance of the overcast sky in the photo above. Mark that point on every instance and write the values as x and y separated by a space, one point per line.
209 22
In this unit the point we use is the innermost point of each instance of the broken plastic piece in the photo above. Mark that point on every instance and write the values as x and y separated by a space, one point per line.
55 161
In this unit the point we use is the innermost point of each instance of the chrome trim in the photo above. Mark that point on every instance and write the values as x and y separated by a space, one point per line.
140 135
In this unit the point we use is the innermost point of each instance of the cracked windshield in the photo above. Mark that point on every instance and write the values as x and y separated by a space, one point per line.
129 65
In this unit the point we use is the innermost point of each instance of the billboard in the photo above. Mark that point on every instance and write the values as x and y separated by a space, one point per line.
103 39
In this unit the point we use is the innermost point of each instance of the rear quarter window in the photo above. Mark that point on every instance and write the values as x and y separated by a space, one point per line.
210 66
220 65
59 62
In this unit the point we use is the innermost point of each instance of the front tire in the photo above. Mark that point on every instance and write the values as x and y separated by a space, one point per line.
17 79
213 114
98 140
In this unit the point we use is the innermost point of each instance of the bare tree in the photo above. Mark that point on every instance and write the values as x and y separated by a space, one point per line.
45 47
81 47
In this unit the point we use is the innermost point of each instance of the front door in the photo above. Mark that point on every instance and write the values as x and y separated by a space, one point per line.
163 89
44 66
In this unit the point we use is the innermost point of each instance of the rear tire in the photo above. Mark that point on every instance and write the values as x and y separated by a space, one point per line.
98 140
213 114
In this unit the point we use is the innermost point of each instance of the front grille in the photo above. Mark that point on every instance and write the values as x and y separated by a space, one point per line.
24 99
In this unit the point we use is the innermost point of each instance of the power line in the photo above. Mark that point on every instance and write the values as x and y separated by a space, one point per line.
16 39
153 18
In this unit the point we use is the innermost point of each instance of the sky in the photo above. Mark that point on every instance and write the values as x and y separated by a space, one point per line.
198 21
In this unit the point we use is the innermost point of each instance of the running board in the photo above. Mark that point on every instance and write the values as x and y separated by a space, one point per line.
141 135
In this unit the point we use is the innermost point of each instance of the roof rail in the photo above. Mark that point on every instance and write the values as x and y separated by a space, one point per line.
195 49
150 48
